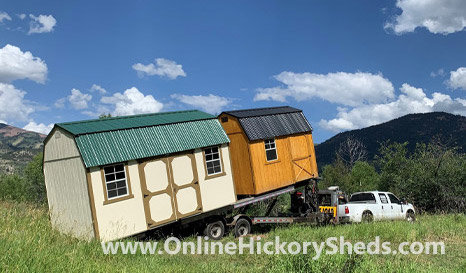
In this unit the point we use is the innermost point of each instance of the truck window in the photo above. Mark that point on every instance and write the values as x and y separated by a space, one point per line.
383 198
393 199
363 197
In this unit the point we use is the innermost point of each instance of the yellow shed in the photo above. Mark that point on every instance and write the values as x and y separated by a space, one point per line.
270 148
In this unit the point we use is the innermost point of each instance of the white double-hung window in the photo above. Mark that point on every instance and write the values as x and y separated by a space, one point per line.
115 181
212 161
270 149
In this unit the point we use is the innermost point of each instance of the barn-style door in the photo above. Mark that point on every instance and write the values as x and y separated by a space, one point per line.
300 157
170 189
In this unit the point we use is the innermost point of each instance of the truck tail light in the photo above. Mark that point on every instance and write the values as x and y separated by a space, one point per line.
346 210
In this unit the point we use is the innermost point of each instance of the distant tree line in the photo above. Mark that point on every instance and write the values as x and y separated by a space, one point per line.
27 186
433 177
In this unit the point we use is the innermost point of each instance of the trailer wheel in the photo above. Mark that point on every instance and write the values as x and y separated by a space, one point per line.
242 227
215 230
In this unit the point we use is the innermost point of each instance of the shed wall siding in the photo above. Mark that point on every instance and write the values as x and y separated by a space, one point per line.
68 198
240 159
216 192
274 174
60 145
123 218
312 154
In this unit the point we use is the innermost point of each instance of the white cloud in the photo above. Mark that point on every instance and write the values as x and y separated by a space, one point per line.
78 100
211 103
41 23
98 88
21 16
99 109
4 16
38 128
13 107
60 103
132 102
345 88
458 79
412 100
438 16
438 73
162 67
15 64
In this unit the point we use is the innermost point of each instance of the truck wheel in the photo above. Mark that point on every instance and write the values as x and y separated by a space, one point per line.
367 217
242 228
215 230
410 217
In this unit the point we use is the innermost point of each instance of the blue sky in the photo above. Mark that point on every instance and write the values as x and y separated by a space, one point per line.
347 64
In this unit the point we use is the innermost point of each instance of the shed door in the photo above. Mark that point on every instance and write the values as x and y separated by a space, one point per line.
300 157
170 189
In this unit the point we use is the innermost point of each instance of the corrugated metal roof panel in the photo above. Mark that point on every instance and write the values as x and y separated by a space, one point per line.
262 111
263 127
122 145
127 122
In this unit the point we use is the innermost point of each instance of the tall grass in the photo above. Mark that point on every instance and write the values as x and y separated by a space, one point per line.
28 243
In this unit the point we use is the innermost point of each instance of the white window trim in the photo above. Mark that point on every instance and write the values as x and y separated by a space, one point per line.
219 160
117 180
275 144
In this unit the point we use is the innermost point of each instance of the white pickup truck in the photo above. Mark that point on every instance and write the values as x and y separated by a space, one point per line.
375 205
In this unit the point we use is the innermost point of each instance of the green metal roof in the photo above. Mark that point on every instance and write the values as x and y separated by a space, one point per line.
127 122
120 145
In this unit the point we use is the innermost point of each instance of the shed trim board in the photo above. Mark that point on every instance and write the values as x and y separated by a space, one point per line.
92 204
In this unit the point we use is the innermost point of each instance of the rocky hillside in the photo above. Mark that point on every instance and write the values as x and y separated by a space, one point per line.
17 147
413 128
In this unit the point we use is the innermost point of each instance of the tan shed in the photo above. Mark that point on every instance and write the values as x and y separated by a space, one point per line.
270 148
112 178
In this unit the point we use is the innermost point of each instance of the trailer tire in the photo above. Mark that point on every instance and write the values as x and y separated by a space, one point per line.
215 230
242 227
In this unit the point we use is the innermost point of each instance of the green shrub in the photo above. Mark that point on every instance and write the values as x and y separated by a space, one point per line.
28 187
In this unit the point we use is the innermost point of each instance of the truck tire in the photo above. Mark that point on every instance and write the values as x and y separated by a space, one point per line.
410 217
367 217
242 227
215 230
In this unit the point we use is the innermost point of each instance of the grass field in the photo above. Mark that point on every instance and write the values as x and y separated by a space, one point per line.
28 244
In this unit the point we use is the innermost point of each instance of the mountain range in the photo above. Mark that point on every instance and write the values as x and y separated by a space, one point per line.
17 147
412 128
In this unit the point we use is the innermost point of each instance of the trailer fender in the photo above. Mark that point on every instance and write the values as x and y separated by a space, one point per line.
236 218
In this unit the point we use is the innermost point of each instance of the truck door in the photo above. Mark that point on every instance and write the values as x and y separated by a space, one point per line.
396 206
387 211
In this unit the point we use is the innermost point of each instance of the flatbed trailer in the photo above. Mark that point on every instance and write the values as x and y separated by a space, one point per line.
234 216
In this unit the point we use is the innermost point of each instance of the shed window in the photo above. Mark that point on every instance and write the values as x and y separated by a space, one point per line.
270 149
115 181
212 161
